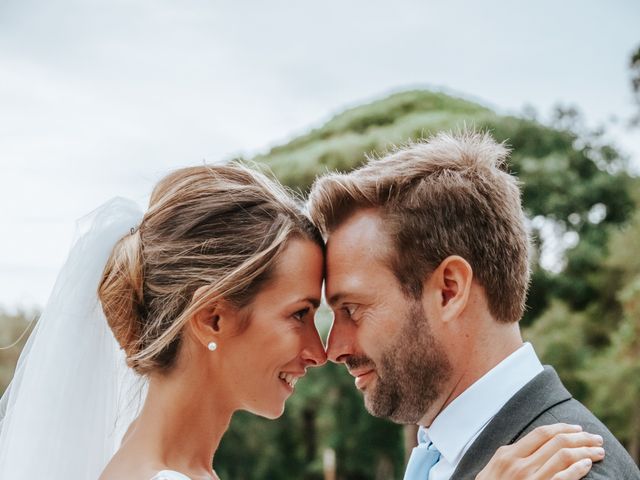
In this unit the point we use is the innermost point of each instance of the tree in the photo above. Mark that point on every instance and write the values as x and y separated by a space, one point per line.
614 375
635 83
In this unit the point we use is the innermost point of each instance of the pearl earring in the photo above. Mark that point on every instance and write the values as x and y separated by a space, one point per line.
212 346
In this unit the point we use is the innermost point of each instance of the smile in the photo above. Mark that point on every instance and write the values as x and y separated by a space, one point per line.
289 378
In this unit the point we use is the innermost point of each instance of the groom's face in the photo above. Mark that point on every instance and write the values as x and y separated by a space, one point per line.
382 336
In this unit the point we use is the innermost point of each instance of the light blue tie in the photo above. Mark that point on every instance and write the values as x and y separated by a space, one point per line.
421 461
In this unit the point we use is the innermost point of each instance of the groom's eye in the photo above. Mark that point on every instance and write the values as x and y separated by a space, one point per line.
350 310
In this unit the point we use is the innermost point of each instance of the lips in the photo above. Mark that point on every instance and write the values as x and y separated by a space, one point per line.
360 371
362 378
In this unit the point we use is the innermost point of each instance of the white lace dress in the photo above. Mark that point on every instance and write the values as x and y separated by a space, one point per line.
169 475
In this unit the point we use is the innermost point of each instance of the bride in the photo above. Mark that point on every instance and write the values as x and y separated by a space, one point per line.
162 325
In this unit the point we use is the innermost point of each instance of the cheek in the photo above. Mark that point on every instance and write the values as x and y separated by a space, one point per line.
370 340
378 331
277 348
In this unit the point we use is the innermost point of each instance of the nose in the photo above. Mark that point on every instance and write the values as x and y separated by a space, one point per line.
313 353
340 341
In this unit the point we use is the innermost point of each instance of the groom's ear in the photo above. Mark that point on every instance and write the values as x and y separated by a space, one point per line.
450 286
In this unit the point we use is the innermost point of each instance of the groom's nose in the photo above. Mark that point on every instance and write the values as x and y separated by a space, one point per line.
340 341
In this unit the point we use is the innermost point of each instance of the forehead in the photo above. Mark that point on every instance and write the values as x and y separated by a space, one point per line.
357 254
297 275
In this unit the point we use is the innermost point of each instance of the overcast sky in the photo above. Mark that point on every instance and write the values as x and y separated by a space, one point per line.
101 98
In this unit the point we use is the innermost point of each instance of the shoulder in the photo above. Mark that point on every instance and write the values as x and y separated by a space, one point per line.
617 462
169 475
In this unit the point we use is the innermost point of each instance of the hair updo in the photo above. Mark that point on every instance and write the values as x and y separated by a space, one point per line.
217 226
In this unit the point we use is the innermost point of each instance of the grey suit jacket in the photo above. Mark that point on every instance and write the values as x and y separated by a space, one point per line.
544 401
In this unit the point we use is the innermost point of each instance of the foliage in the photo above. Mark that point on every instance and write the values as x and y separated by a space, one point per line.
558 335
634 64
14 331
615 374
604 374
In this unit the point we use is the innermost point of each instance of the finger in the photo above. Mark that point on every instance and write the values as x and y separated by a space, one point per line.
567 457
565 440
541 435
575 472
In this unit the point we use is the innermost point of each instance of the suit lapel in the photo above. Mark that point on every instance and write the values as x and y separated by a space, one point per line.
535 398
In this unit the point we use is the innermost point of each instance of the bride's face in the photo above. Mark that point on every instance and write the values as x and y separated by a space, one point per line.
280 342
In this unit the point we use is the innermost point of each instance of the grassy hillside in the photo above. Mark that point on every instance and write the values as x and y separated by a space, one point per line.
341 144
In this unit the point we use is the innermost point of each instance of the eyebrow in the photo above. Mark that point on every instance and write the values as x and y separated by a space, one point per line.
336 298
312 300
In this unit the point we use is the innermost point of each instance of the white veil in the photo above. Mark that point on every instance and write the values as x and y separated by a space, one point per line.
72 396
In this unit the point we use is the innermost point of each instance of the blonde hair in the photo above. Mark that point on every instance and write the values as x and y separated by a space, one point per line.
217 226
447 195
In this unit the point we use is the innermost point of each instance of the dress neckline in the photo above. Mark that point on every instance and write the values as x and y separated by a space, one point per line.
170 475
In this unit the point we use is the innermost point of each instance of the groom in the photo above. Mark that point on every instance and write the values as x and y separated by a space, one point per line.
427 275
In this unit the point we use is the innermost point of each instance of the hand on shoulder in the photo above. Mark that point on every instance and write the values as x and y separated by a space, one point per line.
550 452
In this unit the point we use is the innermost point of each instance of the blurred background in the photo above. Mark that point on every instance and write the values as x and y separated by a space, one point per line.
99 99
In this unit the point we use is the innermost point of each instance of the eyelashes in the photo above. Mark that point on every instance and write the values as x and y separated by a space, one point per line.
301 314
350 310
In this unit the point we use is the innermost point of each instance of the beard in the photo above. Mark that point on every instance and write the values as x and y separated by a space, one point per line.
412 372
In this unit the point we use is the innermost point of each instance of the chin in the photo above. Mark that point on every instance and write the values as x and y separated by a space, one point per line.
270 412
376 408
369 407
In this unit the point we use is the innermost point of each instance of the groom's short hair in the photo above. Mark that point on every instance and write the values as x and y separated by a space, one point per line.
448 195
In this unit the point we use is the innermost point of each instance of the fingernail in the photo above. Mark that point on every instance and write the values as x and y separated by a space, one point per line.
599 451
577 427
599 439
586 463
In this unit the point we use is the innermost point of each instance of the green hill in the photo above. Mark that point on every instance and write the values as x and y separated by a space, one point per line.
343 142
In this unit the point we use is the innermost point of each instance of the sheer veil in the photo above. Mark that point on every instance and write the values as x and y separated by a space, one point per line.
72 396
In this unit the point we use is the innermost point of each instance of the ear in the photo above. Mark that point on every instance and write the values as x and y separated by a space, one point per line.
212 322
450 285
